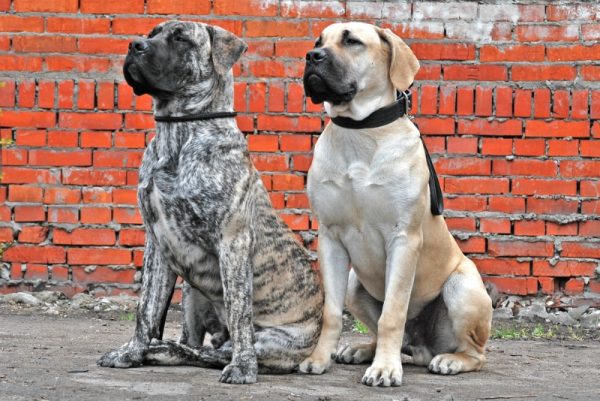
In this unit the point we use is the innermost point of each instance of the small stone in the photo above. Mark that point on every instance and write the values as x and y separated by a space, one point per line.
535 312
20 298
49 296
576 313
562 318
503 313
591 320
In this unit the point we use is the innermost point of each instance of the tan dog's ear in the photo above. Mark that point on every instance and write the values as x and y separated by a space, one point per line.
403 63
226 48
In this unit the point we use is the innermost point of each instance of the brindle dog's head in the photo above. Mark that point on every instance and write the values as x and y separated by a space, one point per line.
186 63
355 68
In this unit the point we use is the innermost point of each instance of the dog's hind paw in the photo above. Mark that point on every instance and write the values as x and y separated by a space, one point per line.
127 356
356 354
239 374
314 366
446 364
383 376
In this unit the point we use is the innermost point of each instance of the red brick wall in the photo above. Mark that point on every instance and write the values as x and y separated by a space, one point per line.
509 103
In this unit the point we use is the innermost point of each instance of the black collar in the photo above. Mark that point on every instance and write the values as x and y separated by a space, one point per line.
380 117
195 117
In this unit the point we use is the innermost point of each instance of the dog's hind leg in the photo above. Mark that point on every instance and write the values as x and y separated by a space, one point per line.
278 350
470 314
366 309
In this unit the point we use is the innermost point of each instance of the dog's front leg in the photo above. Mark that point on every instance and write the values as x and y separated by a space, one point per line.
402 256
236 274
333 262
158 283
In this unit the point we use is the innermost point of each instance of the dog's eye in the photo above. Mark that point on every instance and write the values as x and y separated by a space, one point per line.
179 38
350 41
318 43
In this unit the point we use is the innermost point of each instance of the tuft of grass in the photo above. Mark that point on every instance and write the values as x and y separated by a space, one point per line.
128 316
523 333
359 327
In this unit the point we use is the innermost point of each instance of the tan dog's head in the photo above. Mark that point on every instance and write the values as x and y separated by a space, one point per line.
356 68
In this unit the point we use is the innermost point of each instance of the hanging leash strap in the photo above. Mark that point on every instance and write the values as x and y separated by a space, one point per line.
387 115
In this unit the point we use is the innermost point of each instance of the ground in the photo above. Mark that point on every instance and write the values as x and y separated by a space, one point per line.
53 358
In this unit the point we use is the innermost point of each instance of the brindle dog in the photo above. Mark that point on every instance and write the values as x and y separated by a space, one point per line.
209 220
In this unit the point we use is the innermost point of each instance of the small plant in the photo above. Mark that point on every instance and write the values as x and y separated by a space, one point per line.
359 327
128 316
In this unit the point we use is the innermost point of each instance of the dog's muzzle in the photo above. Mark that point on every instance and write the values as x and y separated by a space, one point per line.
323 79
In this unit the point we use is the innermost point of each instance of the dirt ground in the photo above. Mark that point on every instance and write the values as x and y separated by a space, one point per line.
53 358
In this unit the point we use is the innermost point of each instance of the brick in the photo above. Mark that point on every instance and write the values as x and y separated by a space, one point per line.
7 94
483 101
435 145
573 53
285 182
447 100
63 6
97 121
560 104
546 33
301 162
431 10
288 124
476 72
480 185
98 256
33 234
580 168
25 194
77 25
574 286
63 139
44 44
551 206
40 157
590 148
529 227
63 215
514 285
435 126
181 7
245 7
18 175
34 254
541 168
96 215
20 63
267 28
523 103
561 229
519 248
502 266
296 222
530 147
506 204
75 176
113 158
428 99
543 73
29 213
525 186
96 195
60 273
6 234
557 128
590 188
297 201
270 162
77 63
62 195
590 207
472 245
461 224
462 145
106 45
124 196
547 284
435 51
125 215
26 119
463 166
96 139
498 226
391 11
85 236
563 147
541 99
257 93
486 127
103 275
16 23
112 7
493 53
132 237
496 146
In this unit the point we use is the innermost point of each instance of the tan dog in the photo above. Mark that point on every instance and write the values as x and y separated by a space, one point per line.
410 284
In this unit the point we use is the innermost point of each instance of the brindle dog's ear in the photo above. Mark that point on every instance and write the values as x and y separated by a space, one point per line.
403 63
226 48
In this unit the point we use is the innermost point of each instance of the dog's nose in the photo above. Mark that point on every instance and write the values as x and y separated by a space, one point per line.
316 56
139 46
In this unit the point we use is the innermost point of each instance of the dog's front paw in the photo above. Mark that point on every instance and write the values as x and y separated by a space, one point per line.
315 365
384 375
446 364
239 374
130 355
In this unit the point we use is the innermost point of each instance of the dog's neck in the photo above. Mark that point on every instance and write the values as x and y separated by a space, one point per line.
363 104
209 96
